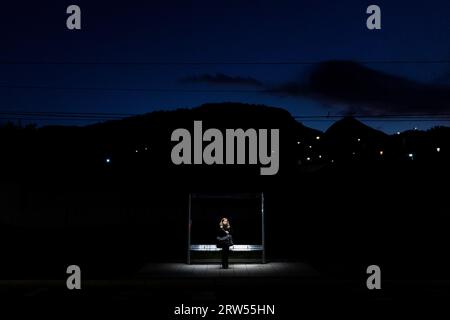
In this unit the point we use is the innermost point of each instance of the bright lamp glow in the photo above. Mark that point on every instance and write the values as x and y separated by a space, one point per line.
236 247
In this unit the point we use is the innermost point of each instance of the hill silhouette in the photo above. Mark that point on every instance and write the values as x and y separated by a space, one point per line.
349 127
350 139
140 146
116 178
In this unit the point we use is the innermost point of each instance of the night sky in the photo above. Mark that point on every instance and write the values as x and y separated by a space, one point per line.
135 57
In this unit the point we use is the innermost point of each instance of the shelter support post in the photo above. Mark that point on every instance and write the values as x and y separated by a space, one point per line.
262 229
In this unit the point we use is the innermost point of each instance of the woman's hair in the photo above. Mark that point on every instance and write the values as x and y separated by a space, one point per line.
221 224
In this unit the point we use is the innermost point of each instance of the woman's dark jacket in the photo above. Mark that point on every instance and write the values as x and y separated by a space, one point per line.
224 239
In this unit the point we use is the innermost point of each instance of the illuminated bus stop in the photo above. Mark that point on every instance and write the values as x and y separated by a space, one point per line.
245 212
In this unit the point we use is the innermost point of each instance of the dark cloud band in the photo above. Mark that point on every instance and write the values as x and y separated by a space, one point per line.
222 79
360 89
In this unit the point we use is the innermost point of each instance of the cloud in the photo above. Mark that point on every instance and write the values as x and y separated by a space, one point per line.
222 79
363 90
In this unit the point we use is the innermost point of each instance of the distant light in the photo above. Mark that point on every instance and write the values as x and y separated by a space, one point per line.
354 153
320 156
108 160
415 128
411 156
438 149
318 138
146 148
332 161
381 152
310 147
359 140
308 159
137 151
298 142
398 132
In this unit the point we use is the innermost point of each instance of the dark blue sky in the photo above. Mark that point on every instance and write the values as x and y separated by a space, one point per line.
120 41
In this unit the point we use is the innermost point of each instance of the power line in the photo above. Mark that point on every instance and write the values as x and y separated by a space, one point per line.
411 116
110 119
52 119
381 116
68 115
386 120
128 89
168 63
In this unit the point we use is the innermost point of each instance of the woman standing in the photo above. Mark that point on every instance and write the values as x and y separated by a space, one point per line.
225 240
